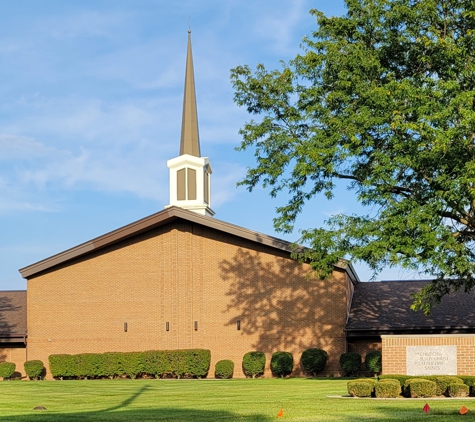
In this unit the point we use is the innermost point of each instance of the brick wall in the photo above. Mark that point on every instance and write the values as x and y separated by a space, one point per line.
182 273
363 346
17 355
394 350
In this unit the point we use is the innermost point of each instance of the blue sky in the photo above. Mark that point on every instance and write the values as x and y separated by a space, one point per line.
90 111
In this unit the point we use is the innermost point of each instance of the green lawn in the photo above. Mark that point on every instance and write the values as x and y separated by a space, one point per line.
210 400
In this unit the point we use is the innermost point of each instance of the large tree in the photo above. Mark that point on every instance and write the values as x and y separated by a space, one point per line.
382 99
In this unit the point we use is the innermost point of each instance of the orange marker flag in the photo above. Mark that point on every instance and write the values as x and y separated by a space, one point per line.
463 410
426 408
281 413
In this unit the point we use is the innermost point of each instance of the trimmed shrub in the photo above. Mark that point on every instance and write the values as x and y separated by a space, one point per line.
189 363
373 362
7 369
442 384
155 363
224 369
63 366
467 379
193 363
387 389
89 365
371 380
200 362
35 369
282 364
313 361
458 390
133 364
176 363
112 365
360 388
253 364
401 378
350 363
419 387
470 381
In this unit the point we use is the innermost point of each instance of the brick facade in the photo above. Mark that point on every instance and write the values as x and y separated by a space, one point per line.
363 346
15 354
394 350
180 273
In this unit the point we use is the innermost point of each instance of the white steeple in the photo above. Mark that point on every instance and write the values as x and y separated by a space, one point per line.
190 174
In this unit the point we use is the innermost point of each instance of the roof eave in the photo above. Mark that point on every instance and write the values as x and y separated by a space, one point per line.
158 219
377 332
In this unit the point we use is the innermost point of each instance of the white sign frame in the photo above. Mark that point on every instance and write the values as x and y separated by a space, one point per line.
431 360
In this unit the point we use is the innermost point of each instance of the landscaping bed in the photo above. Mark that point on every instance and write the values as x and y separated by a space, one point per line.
394 386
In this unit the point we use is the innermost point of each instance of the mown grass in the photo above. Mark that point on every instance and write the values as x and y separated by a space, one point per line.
209 400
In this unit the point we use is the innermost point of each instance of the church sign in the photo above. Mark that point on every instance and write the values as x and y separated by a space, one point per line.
431 360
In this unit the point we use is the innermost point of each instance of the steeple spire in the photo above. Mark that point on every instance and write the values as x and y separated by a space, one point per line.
190 173
190 138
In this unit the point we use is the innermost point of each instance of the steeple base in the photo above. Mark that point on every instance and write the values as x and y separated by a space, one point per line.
207 211
190 183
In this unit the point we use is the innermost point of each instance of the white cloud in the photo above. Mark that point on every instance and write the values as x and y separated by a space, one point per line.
278 25
39 168
79 120
9 46
224 181
119 141
33 167
83 23
8 205
22 148
14 198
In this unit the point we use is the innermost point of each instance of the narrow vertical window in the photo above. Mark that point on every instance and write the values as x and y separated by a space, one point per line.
206 187
181 185
191 184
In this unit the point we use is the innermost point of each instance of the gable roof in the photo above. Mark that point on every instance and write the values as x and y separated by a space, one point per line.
384 308
12 315
159 219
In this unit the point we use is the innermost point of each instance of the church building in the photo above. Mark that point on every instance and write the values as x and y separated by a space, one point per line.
181 279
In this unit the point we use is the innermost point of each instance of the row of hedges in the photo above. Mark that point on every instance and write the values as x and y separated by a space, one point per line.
391 386
369 387
351 362
313 361
442 383
193 363
34 369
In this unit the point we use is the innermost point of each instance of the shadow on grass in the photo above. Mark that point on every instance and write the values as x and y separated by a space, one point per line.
128 401
377 413
141 415
122 412
411 413
157 407
336 379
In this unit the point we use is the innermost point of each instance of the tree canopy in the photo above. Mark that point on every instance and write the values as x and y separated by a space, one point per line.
383 100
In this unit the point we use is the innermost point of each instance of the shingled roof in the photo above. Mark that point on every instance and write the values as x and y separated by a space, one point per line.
12 315
384 308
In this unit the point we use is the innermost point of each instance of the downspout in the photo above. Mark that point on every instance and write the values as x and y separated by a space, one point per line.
348 311
25 336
